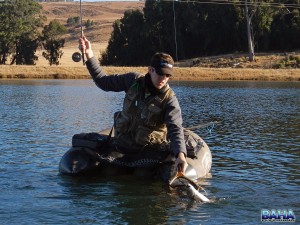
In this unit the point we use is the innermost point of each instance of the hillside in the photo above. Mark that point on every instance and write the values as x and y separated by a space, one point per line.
103 14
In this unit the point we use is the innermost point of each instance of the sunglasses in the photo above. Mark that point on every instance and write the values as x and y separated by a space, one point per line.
161 75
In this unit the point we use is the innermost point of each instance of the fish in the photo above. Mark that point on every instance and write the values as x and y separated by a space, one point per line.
195 194
189 187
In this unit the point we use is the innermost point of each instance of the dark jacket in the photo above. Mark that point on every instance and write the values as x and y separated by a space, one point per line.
122 82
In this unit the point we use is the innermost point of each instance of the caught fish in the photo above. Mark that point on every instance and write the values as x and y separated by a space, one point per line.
195 194
190 187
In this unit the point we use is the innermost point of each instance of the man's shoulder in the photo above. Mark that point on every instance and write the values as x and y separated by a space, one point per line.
172 98
170 92
138 75
132 76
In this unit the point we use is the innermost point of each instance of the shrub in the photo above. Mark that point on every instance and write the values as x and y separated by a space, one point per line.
291 61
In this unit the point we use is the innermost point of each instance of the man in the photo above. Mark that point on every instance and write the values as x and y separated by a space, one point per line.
151 113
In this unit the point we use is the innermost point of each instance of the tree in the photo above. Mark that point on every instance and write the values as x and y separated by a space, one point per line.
19 20
250 37
285 29
202 28
126 45
113 52
25 51
209 29
73 21
89 23
198 32
132 28
259 16
159 26
53 41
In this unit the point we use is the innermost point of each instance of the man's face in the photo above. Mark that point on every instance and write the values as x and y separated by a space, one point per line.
157 80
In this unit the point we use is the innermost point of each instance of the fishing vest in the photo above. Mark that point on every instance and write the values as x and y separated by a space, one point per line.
141 121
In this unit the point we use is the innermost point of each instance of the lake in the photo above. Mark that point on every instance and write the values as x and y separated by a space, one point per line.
255 149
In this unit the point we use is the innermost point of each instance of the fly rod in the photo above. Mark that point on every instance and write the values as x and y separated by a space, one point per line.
76 55
81 31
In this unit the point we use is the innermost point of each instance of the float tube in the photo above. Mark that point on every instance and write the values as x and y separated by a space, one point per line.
96 154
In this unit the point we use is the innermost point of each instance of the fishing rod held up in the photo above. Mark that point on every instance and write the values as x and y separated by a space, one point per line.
76 57
81 30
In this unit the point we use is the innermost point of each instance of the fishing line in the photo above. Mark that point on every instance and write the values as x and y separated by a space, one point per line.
210 128
212 123
256 4
175 31
175 36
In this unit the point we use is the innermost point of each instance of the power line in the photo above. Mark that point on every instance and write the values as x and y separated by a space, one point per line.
241 3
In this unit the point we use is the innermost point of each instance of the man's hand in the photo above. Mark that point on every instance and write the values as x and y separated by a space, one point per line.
86 47
181 163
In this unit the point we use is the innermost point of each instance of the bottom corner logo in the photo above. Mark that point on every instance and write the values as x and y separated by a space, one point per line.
277 215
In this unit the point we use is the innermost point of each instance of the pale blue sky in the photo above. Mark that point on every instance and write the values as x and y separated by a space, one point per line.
106 0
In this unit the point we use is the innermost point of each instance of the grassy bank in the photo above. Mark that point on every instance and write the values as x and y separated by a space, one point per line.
192 73
233 66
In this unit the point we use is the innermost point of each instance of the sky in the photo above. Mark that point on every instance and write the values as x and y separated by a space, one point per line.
106 0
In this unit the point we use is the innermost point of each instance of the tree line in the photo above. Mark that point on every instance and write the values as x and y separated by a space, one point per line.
188 29
22 32
183 28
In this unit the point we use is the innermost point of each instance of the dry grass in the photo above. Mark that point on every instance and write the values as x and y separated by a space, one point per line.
240 60
194 73
104 14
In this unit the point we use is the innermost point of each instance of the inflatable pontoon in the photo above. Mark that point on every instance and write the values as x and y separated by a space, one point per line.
96 154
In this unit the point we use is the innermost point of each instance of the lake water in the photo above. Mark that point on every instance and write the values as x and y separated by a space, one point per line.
255 151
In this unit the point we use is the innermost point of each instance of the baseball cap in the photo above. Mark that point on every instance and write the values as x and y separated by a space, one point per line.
162 63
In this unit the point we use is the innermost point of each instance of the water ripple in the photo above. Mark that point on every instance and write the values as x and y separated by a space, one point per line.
255 148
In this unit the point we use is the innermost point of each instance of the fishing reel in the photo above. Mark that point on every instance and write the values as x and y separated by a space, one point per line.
76 57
